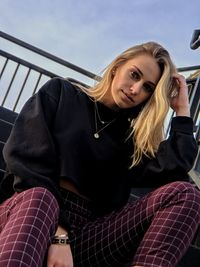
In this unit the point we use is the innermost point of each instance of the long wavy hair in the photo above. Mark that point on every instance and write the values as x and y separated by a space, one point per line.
147 130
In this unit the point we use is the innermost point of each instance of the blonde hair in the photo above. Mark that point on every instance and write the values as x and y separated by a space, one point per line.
147 130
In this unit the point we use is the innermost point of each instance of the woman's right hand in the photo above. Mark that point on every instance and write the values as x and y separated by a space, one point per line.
180 101
59 256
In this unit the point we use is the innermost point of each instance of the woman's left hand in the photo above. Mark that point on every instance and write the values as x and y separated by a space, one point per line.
59 256
180 101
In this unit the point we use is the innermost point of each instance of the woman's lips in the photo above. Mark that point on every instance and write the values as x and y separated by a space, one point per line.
127 96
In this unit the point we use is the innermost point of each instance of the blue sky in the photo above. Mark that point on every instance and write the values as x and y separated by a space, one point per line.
90 33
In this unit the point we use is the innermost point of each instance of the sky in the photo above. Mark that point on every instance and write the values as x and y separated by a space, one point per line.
90 33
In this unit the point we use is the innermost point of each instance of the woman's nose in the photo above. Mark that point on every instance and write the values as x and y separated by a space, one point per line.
136 88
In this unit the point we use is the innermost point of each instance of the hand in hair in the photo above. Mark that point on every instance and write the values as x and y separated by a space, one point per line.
179 100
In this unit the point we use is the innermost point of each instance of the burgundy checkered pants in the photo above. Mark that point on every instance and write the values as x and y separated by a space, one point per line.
27 223
155 230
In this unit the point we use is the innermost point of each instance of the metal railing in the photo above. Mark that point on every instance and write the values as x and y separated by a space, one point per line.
16 74
195 114
27 72
48 55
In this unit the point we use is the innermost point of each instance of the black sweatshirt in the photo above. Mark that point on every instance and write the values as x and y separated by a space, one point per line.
53 137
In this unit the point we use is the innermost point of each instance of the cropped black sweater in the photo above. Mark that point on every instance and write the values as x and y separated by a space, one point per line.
53 137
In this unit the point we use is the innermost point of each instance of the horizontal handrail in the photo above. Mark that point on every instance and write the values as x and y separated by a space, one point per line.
190 68
27 64
49 56
66 63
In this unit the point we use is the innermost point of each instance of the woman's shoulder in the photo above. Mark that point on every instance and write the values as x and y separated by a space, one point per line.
58 87
58 84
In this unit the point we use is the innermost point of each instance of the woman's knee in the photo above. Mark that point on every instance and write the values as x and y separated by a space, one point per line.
183 192
178 192
42 194
186 188
39 199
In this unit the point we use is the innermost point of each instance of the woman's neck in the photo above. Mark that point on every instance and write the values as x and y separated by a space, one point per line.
108 103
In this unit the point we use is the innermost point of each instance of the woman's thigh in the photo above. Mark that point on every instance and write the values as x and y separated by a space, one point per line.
28 221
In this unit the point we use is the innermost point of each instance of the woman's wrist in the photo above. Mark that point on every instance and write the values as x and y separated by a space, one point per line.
61 236
183 112
62 239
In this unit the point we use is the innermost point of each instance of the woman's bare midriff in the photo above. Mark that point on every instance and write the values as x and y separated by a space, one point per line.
70 186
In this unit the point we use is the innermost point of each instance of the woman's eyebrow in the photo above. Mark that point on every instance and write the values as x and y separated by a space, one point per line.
152 83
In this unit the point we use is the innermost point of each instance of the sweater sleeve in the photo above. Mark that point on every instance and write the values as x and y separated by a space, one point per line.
30 152
174 158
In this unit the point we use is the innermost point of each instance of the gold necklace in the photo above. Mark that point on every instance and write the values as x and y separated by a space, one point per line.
97 115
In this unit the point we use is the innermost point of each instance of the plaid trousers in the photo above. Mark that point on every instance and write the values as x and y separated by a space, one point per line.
155 230
28 222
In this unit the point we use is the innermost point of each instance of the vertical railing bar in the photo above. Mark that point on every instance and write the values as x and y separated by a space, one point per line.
4 66
195 102
22 88
196 113
194 97
8 90
198 134
190 90
37 83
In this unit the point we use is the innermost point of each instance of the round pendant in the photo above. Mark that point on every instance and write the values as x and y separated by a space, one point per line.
96 135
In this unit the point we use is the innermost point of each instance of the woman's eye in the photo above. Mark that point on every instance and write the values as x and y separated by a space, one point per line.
148 88
135 75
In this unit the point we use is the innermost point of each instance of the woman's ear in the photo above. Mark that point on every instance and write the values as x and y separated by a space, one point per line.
113 72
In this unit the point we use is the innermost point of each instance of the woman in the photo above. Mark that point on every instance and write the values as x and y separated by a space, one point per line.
75 153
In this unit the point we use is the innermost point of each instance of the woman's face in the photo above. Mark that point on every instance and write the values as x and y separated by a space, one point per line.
133 82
